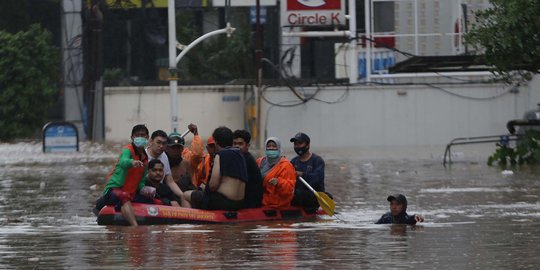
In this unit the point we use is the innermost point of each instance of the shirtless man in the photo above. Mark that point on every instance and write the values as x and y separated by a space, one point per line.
226 187
180 170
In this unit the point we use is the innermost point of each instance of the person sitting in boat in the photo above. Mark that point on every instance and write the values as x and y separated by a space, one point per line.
180 170
278 174
194 153
226 185
128 176
309 166
200 177
254 186
155 191
156 150
398 212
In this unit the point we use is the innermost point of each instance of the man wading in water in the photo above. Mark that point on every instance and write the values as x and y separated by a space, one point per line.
398 212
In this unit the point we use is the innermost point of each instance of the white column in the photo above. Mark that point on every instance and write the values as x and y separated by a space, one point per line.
353 53
173 77
72 67
367 13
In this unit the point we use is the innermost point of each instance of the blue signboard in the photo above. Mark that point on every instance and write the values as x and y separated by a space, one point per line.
230 98
380 62
60 137
253 15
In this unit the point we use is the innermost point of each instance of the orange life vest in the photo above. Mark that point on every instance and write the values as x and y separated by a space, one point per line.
203 171
281 195
133 175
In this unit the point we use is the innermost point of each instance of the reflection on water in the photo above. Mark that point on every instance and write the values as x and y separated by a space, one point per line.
476 218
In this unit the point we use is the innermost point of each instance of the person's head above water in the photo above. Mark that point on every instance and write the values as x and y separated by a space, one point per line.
398 204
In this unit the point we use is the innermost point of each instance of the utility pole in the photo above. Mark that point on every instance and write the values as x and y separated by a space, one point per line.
72 68
173 71
94 70
174 60
258 64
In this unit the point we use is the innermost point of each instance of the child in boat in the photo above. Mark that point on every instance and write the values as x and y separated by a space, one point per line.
398 212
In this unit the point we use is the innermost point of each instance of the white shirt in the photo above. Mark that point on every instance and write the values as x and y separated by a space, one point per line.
165 160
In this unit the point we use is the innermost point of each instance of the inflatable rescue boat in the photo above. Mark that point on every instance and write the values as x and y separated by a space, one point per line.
151 214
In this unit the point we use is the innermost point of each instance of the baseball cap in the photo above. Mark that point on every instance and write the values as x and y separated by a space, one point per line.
211 140
300 137
175 139
400 198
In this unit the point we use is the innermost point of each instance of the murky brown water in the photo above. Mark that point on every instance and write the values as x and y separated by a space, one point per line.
476 218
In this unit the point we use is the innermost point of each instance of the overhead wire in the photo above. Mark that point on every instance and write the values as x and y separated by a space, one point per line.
292 83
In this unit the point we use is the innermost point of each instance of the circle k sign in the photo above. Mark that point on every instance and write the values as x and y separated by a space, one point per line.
312 12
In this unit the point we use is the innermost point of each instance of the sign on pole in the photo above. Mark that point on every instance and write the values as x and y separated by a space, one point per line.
253 15
60 137
313 12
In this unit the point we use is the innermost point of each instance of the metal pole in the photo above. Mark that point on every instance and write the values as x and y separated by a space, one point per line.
367 13
258 45
227 30
258 57
353 55
318 34
416 27
173 83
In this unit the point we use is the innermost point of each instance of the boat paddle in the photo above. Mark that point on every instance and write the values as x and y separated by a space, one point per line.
185 133
327 204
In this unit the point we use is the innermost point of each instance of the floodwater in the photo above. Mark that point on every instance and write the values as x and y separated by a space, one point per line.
477 217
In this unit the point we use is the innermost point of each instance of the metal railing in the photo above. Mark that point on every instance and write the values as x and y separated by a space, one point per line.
502 139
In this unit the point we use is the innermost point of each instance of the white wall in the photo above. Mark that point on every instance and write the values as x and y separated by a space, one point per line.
399 115
128 106
369 115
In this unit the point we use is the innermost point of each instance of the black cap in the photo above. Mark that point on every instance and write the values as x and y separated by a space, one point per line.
175 139
300 137
400 198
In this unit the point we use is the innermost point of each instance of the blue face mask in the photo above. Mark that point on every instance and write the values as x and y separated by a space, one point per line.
272 153
140 141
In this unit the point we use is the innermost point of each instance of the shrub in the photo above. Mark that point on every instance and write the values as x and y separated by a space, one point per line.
28 77
527 151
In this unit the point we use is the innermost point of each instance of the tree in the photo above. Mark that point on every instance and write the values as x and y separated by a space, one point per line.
28 77
509 34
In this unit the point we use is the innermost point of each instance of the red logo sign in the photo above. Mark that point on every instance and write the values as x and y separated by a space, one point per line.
313 4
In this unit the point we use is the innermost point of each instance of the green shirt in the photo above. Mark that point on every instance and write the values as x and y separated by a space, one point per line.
118 177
